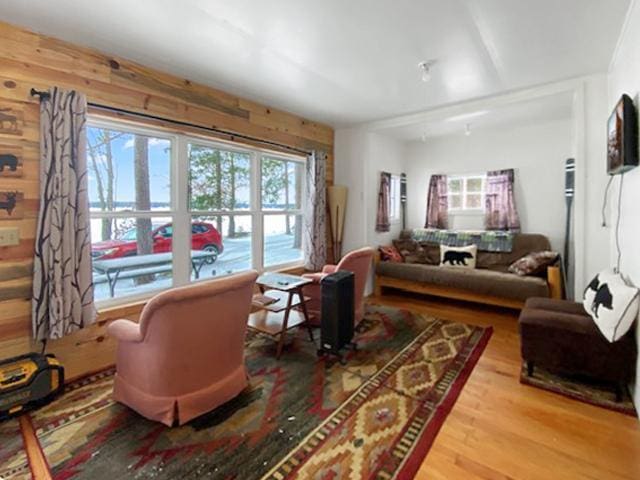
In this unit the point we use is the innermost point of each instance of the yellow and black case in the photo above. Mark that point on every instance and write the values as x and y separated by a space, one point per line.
29 381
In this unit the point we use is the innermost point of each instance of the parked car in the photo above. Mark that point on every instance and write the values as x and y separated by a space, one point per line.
204 236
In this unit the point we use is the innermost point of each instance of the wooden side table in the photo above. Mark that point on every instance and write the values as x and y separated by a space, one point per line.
276 318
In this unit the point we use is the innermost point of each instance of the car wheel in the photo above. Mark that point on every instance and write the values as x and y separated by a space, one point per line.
214 250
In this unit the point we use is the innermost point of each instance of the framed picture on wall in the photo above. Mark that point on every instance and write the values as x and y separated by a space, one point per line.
11 205
11 120
10 161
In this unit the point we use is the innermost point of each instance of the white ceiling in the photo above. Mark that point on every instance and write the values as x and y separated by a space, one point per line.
540 110
343 61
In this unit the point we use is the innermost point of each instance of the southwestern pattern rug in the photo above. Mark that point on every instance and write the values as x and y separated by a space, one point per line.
302 416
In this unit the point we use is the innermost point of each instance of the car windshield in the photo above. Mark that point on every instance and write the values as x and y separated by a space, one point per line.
129 235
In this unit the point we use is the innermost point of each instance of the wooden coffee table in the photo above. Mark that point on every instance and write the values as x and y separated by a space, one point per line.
276 318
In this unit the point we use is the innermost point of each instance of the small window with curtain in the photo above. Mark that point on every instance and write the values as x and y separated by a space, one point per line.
394 199
466 193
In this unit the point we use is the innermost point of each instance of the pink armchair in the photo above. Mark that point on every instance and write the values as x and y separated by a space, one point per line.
358 262
186 356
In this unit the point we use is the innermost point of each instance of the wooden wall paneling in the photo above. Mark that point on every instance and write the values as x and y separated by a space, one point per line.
29 60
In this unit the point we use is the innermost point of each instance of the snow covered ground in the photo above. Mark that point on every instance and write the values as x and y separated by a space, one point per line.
236 257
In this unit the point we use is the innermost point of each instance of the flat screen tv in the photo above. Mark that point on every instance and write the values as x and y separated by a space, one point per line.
622 137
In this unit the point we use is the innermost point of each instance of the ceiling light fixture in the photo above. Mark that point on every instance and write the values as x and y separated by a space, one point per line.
425 67
467 129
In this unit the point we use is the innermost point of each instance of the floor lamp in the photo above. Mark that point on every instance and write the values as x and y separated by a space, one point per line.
337 197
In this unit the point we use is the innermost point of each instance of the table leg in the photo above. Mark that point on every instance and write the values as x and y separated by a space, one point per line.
283 332
303 304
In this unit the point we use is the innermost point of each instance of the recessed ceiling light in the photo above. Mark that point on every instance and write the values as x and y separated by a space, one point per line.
425 68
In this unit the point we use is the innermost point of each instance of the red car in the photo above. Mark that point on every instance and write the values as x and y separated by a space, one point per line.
204 236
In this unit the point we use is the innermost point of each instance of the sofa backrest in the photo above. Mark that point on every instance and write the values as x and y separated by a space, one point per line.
523 244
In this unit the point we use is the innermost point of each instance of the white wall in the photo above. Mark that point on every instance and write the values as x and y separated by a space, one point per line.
592 239
625 78
360 157
536 152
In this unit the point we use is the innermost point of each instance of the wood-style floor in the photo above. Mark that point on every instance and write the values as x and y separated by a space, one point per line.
502 430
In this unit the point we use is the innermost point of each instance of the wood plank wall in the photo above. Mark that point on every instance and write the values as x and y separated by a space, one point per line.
31 60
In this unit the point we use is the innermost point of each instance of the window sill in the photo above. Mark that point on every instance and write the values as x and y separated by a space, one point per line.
466 213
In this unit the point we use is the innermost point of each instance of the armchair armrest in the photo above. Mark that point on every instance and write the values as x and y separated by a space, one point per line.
329 269
125 331
315 277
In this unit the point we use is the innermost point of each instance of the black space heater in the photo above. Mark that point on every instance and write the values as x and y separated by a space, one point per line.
336 323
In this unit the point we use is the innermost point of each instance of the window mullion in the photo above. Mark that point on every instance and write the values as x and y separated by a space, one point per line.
257 235
182 217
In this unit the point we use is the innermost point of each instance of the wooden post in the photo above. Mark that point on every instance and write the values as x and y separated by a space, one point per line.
377 288
554 279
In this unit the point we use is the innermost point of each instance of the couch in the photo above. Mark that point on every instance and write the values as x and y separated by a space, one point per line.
490 282
186 356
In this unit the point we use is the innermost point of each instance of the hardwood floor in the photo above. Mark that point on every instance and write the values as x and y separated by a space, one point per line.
500 429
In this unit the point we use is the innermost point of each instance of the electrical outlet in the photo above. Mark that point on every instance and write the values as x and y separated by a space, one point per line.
9 236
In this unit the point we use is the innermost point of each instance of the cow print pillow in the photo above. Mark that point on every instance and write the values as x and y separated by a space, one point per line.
612 303
464 257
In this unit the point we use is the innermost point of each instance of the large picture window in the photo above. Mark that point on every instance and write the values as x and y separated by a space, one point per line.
170 209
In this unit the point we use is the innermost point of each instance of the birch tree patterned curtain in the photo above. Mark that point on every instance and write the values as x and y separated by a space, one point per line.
500 203
382 216
314 238
437 203
62 282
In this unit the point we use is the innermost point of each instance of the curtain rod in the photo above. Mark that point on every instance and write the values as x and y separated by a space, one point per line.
42 94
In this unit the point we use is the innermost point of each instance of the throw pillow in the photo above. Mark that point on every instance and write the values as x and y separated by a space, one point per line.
462 257
612 303
534 263
410 250
390 253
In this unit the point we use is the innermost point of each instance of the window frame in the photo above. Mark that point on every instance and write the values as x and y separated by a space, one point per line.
395 200
464 209
286 211
180 212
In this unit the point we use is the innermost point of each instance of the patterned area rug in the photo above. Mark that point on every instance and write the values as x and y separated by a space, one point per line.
13 458
579 389
301 417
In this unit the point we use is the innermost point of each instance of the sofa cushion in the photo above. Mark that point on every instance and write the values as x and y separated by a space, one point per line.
534 263
480 281
414 252
389 253
523 244
458 257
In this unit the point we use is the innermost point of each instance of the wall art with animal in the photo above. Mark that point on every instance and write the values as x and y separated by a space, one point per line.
11 120
10 161
11 205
